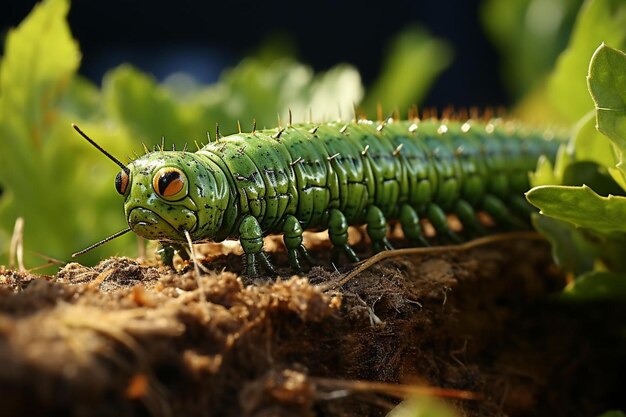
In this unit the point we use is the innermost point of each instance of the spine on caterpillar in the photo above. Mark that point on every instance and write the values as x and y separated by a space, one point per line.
308 170
330 176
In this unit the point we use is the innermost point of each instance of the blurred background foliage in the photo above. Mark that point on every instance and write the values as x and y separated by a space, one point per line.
63 188
529 35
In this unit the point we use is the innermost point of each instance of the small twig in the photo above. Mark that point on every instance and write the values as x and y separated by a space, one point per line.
44 266
16 250
102 276
141 247
368 263
395 390
196 266
51 262
49 258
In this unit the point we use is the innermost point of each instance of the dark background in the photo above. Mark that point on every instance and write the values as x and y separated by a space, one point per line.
203 38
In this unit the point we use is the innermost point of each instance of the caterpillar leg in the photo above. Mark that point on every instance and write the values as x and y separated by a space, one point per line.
251 238
438 219
500 213
467 216
292 238
338 234
410 223
377 229
168 250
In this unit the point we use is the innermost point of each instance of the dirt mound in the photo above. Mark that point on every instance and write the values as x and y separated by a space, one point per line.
126 339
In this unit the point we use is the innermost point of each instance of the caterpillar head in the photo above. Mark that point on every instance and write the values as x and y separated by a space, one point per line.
169 194
166 193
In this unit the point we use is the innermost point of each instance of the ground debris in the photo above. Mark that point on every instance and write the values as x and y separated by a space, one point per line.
129 339
285 392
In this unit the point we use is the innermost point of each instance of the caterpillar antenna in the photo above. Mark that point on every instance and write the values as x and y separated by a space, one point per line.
102 242
98 147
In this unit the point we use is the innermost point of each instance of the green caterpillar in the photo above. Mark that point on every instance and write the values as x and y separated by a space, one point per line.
330 176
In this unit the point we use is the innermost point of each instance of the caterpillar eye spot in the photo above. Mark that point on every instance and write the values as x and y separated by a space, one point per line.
170 183
121 182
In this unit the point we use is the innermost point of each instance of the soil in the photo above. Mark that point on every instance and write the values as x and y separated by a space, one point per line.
483 326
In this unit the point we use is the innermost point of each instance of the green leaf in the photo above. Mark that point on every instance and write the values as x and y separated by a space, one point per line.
613 413
544 174
619 176
40 59
609 251
516 27
570 250
598 21
147 110
341 85
423 407
183 111
607 84
581 206
592 175
590 145
39 62
414 61
564 158
82 99
597 286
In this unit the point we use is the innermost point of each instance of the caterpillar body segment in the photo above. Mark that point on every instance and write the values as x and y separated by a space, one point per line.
330 176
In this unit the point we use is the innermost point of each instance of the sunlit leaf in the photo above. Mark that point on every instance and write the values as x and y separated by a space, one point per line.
423 407
597 286
340 86
598 21
82 99
544 174
607 84
590 145
414 60
37 67
619 177
516 27
581 206
138 103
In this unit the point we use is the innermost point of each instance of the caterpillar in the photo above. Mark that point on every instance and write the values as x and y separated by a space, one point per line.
329 176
